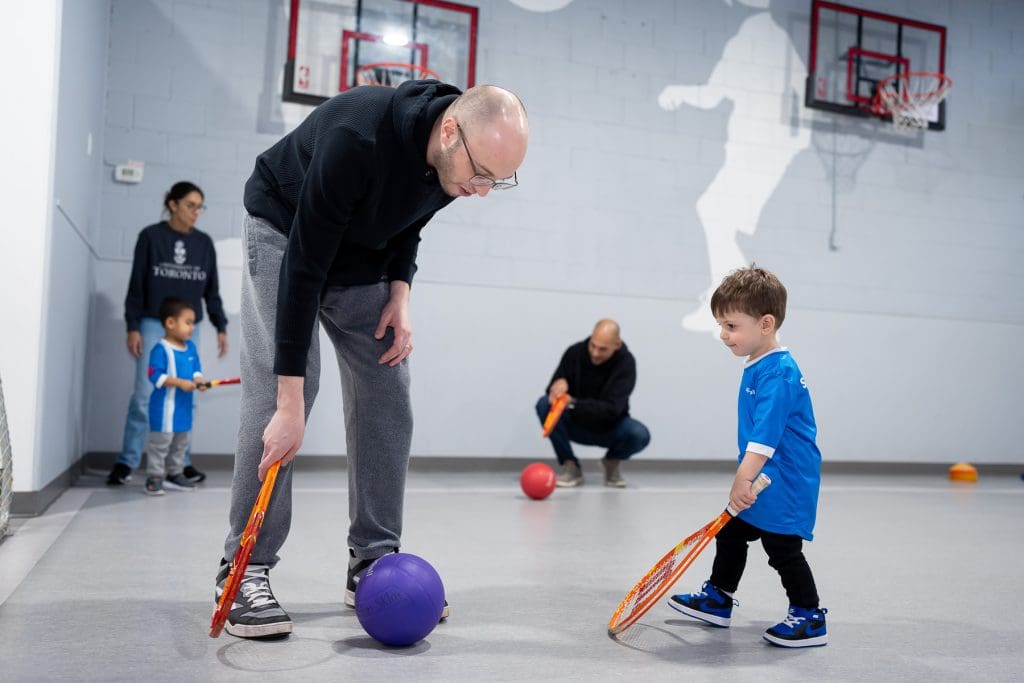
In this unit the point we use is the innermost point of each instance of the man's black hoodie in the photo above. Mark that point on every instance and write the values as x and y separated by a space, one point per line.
352 190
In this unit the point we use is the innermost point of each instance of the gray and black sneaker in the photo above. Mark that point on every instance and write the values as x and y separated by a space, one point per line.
255 612
179 482
357 569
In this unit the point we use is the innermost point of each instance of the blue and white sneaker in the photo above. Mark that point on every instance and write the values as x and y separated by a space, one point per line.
802 627
710 605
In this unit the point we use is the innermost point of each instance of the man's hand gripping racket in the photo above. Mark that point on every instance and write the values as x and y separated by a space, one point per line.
663 575
555 412
245 546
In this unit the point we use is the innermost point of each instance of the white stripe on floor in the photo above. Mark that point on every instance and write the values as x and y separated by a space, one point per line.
33 537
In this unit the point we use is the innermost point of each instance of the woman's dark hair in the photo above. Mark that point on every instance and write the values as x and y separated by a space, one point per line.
179 190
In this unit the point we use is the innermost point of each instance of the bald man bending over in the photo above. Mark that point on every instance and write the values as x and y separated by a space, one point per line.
335 212
598 375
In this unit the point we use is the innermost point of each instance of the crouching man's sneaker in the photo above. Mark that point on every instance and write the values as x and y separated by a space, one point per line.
357 570
571 474
612 475
255 612
802 627
710 605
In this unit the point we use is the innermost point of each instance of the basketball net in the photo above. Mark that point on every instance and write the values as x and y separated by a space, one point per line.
392 74
912 99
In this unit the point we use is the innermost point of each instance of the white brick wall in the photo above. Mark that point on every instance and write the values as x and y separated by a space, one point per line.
928 227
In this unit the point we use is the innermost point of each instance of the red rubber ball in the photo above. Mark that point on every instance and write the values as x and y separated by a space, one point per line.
537 480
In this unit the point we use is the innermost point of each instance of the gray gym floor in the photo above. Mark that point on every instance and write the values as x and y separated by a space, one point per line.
922 578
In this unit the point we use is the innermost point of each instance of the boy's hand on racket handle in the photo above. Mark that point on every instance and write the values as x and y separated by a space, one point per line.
185 385
283 435
742 495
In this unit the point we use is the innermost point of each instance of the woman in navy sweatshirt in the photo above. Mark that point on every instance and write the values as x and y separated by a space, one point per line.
172 259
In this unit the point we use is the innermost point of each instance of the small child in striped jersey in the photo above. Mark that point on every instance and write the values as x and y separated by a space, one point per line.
175 372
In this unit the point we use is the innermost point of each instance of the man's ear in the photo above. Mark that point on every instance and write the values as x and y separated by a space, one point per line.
449 132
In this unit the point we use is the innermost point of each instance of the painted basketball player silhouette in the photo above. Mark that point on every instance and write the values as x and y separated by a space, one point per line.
759 72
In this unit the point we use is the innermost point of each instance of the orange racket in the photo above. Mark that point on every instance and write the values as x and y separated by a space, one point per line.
663 575
217 382
241 561
553 414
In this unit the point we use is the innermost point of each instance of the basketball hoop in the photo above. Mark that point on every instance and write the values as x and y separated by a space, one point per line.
911 98
392 74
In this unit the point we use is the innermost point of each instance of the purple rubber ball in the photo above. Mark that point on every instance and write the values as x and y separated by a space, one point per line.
399 600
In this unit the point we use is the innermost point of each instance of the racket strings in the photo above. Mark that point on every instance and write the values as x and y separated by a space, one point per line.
656 579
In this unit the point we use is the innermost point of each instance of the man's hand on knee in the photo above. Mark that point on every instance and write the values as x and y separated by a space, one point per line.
396 316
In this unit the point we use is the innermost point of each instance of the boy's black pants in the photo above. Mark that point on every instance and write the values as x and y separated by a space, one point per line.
785 555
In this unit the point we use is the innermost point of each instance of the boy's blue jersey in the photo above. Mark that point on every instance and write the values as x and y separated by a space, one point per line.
170 409
777 421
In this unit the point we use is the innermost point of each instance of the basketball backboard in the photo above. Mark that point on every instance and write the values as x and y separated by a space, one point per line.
852 50
329 40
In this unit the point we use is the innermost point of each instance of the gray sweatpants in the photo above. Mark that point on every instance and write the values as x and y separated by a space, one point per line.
378 412
166 447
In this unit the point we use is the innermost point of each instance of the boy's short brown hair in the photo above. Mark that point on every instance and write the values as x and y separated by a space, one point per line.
753 291
172 307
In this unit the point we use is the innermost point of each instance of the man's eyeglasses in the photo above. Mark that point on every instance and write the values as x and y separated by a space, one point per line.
479 179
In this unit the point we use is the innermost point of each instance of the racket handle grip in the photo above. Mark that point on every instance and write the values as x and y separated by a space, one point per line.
762 482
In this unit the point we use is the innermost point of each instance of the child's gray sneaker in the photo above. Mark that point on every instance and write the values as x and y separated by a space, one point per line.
179 482
154 486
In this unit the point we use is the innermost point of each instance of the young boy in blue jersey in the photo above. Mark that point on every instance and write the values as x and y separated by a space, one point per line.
776 436
175 372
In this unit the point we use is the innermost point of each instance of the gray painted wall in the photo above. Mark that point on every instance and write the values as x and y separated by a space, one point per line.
70 263
906 332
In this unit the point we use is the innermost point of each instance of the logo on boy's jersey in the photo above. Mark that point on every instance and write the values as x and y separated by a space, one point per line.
750 390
